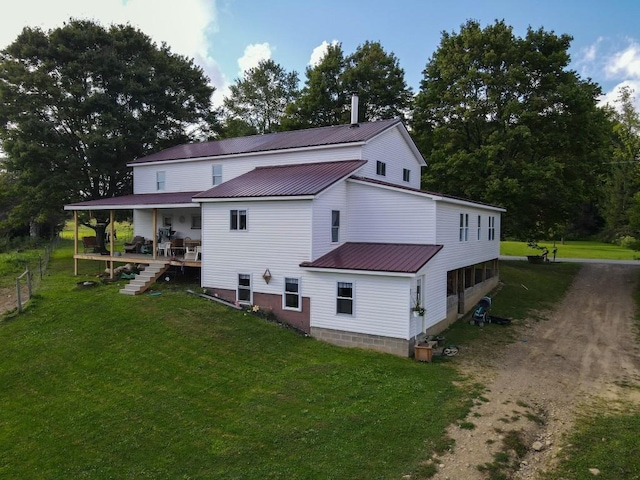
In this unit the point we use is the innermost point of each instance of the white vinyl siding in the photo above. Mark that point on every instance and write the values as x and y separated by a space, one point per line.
370 314
378 149
196 175
334 198
278 239
392 216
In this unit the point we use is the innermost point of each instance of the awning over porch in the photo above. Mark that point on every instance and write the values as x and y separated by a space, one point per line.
137 201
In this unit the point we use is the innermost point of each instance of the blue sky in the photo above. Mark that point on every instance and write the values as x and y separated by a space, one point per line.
227 37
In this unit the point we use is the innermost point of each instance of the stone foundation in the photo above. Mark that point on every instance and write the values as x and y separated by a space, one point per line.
395 346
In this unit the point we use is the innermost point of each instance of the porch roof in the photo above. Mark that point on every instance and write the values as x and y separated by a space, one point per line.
137 201
376 257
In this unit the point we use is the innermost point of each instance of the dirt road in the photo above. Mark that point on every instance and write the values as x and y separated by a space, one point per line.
583 351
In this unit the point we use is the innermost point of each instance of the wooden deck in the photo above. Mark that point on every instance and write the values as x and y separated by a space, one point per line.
139 258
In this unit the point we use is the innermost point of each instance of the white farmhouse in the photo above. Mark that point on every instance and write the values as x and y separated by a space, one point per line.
326 227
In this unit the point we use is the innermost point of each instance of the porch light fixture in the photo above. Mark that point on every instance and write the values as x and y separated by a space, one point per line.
266 275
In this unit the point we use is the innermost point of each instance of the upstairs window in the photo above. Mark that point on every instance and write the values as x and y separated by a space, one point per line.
464 227
344 301
160 181
335 226
479 226
238 220
406 175
381 168
217 175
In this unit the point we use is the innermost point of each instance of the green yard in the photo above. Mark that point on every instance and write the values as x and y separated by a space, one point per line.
100 385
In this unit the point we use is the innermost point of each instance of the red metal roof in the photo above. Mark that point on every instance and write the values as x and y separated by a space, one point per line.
149 199
377 257
284 180
334 135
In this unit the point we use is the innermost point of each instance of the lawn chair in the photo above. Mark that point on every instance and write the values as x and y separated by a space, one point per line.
134 246
90 244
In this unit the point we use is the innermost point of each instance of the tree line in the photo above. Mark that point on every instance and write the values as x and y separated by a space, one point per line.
499 118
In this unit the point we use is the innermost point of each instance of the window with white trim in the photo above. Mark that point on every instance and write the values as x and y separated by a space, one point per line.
196 222
238 219
479 226
160 180
406 175
292 298
492 228
344 298
216 174
381 168
244 293
335 226
418 298
464 227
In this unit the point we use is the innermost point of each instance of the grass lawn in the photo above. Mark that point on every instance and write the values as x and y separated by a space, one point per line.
571 249
101 385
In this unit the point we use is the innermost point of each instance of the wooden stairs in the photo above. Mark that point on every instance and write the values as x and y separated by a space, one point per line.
145 279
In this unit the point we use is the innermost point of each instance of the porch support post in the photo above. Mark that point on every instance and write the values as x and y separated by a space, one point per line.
111 242
154 223
75 242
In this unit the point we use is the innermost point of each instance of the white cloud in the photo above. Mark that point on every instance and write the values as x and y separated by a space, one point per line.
613 95
319 52
182 25
253 55
626 63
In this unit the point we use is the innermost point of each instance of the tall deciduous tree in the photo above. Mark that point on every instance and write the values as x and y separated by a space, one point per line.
502 120
259 98
372 73
621 201
81 101
323 100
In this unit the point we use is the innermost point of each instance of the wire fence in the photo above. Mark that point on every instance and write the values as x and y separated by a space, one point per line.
27 283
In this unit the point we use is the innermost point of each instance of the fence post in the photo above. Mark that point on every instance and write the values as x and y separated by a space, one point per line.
19 299
28 281
40 263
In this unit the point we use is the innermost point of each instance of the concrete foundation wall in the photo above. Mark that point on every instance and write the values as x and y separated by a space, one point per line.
395 346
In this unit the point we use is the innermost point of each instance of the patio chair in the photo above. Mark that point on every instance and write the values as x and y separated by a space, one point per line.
134 246
90 244
192 254
164 249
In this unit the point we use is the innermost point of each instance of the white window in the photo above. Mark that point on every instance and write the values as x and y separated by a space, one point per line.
217 175
464 227
335 226
244 294
418 298
406 174
196 222
238 220
479 226
381 168
492 228
344 300
292 299
160 181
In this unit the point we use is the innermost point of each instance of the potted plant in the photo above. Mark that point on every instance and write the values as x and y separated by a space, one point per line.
418 310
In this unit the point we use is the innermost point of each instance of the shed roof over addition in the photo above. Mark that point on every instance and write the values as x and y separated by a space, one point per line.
304 179
376 257
312 137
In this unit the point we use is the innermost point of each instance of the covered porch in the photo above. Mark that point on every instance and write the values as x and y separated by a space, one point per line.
156 238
